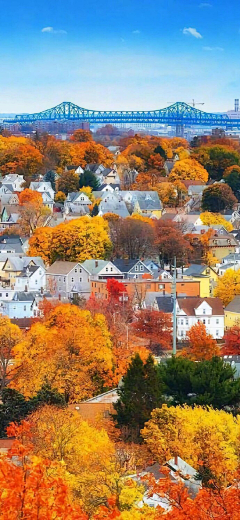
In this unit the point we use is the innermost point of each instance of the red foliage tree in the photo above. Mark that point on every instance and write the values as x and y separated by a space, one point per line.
116 290
232 341
155 326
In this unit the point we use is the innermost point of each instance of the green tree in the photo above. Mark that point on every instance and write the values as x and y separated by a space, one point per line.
50 176
216 158
232 178
161 151
218 197
14 406
204 383
89 179
139 394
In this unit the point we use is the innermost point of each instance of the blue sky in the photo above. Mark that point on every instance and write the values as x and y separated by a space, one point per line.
119 54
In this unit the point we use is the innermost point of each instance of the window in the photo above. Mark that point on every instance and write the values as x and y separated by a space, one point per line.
209 321
80 279
161 286
106 269
72 279
136 267
80 270
186 322
35 282
204 322
217 321
111 268
64 279
204 311
181 322
59 278
0 295
6 294
217 333
75 270
141 268
24 308
181 333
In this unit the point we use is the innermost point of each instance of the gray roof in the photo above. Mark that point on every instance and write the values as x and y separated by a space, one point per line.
126 265
112 206
93 167
232 256
234 305
195 269
165 303
24 297
106 171
61 267
229 266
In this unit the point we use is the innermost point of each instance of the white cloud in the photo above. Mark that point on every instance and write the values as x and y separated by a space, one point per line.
136 31
213 49
204 4
53 31
192 31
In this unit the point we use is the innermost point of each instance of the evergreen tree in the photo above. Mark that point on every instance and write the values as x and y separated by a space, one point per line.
88 179
205 383
15 407
159 149
139 395
51 177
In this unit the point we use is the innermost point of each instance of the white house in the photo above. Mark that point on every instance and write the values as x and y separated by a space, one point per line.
32 278
67 279
43 187
21 305
76 202
15 180
7 196
102 269
209 311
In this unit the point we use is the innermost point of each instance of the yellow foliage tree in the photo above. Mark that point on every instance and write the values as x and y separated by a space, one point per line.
10 335
228 286
209 219
188 169
205 438
167 193
78 239
88 191
71 350
60 196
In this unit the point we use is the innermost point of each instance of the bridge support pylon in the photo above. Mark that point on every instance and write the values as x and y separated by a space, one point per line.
179 130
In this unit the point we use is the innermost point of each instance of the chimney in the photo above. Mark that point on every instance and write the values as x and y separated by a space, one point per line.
236 105
176 460
96 263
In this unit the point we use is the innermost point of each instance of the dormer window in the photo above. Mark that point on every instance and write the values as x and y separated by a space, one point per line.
204 311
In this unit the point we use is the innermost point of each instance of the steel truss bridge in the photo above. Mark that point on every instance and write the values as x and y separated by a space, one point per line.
179 115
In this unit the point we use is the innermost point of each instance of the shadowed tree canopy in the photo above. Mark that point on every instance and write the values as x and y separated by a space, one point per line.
89 179
218 197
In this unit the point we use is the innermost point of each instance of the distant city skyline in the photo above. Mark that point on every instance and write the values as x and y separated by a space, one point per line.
126 55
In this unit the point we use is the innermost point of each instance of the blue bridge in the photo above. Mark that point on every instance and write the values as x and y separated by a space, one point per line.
178 114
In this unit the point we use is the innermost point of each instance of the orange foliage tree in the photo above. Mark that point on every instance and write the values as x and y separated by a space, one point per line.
71 349
33 487
33 212
188 169
201 344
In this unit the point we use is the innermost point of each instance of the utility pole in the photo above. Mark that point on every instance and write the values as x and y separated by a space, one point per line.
174 294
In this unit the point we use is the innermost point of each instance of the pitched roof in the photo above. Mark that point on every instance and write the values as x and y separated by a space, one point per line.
61 267
234 305
94 266
24 297
126 265
195 269
189 304
165 303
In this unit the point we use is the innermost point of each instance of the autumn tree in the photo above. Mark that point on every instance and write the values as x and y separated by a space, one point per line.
201 345
209 383
206 439
131 237
33 213
68 182
81 136
78 239
60 196
10 336
232 341
34 487
218 197
210 219
19 155
156 326
139 394
170 242
71 351
116 290
228 286
216 158
232 178
50 176
167 193
188 169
